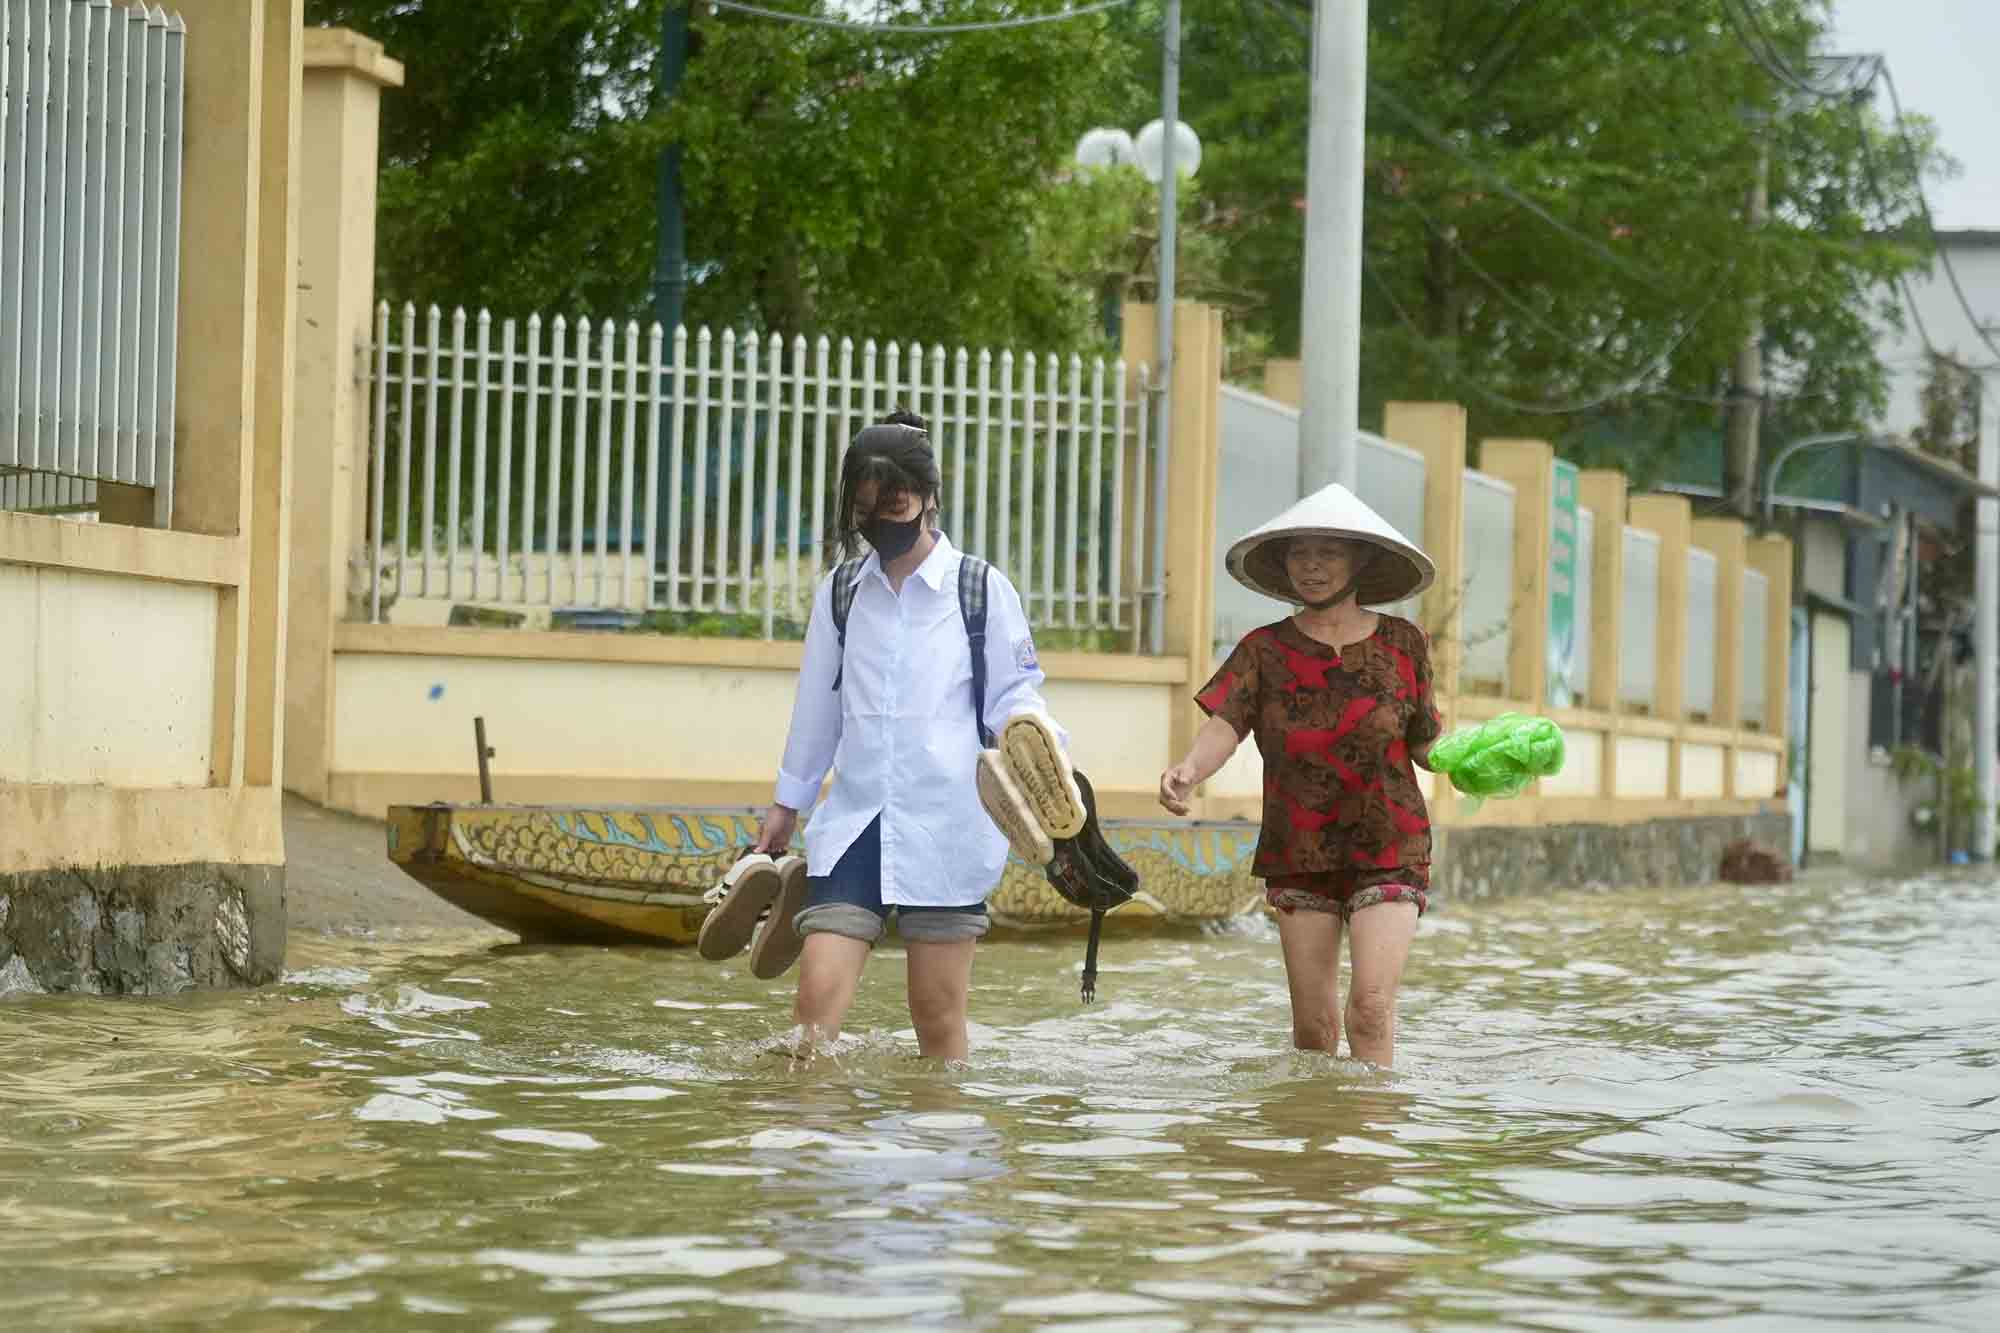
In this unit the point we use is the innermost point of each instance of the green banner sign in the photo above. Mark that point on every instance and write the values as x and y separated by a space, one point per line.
1563 536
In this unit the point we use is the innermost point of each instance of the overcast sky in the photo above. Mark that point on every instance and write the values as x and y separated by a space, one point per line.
1945 55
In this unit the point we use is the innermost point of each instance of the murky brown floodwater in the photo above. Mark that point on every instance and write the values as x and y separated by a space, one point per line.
1745 1108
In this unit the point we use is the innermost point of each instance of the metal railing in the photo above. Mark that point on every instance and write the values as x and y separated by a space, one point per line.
90 206
46 493
539 463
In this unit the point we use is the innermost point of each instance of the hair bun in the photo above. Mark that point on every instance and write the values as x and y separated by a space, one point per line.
905 417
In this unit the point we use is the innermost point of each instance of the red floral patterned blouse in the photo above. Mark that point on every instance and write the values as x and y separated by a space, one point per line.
1336 730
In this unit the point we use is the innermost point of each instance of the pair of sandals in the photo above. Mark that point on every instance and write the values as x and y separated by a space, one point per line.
756 887
1049 814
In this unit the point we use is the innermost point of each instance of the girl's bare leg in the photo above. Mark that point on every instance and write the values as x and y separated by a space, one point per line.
829 973
940 979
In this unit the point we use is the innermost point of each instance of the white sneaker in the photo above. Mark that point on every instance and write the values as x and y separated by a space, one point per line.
779 944
1040 769
1009 810
750 887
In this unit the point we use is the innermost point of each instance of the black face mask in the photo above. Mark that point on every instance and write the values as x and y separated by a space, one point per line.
892 540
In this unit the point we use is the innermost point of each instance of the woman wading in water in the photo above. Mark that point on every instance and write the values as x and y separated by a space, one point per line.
1339 699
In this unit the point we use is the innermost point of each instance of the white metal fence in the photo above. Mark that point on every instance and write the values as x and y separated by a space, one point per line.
46 493
90 172
1488 594
1639 620
590 465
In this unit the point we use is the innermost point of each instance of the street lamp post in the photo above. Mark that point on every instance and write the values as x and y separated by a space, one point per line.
1164 158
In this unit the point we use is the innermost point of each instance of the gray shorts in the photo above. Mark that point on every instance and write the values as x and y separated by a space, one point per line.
847 900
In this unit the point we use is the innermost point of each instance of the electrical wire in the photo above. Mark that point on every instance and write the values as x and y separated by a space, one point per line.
1633 387
916 29
1763 48
1930 226
1437 139
1543 322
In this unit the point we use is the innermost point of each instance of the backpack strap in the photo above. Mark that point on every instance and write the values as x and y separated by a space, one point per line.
846 582
972 577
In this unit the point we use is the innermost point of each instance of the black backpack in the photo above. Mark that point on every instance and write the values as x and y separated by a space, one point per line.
972 572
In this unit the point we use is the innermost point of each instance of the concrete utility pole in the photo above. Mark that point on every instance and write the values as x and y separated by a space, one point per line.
1746 395
1163 369
669 241
1330 332
1986 617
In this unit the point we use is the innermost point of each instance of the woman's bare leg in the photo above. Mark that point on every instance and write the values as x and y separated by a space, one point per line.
1380 941
1311 943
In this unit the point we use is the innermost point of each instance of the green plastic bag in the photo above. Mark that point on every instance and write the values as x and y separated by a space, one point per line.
1499 757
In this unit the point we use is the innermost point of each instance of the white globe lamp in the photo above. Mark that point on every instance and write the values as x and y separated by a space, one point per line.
1150 147
1106 148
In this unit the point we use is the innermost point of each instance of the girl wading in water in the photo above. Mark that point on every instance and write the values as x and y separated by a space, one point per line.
1339 699
885 701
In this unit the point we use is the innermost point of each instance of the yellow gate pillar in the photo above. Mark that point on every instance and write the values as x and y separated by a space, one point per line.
344 74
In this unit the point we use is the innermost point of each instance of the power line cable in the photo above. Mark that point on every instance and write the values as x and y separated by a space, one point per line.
917 29
1437 139
1858 72
1633 387
1542 321
1930 226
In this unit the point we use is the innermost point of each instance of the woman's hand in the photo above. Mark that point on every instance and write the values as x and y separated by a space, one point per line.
1176 785
780 822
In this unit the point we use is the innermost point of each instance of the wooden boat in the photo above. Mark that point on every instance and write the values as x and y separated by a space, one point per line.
636 874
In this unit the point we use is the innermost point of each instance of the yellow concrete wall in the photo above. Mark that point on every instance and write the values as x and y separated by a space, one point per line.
156 652
1702 772
638 718
109 679
1643 767
1583 766
1757 774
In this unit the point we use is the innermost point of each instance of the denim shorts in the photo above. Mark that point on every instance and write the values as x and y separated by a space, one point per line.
847 900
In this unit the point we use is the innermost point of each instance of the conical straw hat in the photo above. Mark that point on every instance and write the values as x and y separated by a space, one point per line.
1399 570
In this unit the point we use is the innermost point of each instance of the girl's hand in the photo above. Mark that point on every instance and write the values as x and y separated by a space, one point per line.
1176 784
780 822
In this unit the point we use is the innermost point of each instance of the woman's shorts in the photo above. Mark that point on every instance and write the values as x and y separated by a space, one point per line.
1347 892
848 901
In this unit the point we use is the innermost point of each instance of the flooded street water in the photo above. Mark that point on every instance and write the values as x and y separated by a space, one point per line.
1744 1108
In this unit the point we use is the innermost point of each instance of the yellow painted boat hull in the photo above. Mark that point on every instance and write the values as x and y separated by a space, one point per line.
636 874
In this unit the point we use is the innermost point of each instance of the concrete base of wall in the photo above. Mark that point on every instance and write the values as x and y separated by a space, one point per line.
1476 864
141 930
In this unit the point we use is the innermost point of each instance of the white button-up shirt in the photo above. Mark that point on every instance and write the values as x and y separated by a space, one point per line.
899 733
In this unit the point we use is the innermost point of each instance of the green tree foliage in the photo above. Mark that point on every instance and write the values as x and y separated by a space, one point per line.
1555 211
835 180
517 162
1555 190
